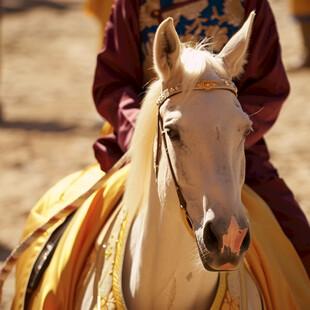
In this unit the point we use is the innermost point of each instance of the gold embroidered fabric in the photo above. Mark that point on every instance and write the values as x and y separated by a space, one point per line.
213 19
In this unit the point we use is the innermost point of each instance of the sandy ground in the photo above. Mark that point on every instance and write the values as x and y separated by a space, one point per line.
48 54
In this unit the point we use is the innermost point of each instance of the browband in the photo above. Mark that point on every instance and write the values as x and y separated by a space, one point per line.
202 85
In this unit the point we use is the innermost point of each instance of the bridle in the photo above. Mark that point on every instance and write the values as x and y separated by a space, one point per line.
168 93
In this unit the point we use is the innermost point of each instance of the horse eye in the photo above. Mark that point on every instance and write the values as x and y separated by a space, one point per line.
172 133
247 132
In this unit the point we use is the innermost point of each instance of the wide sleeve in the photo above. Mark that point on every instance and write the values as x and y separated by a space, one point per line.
118 74
264 85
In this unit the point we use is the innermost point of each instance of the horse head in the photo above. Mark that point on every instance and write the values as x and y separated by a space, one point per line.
200 146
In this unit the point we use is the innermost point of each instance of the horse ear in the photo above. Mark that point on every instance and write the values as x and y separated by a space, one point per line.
233 55
166 49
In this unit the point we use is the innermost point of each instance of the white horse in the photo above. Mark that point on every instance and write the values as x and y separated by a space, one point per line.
187 171
179 237
200 165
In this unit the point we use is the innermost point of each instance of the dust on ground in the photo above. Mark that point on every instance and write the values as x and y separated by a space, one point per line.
49 121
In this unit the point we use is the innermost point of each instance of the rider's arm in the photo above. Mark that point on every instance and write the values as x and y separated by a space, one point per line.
264 85
118 74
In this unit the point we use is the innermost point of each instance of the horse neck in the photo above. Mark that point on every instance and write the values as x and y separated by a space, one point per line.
161 267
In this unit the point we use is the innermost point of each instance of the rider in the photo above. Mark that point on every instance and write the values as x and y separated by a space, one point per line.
124 66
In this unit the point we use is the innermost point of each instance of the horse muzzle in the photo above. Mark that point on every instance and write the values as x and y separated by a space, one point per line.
222 248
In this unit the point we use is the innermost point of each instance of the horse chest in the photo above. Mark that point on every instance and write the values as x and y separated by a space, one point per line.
177 290
173 290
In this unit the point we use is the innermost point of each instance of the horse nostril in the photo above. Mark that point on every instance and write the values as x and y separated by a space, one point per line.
210 238
246 242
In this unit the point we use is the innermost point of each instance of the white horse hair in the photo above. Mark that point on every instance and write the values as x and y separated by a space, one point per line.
207 130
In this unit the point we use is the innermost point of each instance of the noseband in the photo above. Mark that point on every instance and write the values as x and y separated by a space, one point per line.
167 93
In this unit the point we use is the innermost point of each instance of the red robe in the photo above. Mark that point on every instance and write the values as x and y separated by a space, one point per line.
118 88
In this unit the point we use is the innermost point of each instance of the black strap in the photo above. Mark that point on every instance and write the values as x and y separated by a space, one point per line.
45 257
182 200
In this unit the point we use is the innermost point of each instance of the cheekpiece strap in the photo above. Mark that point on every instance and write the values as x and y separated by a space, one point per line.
202 85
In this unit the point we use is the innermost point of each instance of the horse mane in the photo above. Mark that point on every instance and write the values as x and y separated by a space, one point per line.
195 61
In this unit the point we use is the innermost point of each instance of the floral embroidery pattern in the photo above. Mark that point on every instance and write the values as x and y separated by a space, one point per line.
230 303
107 303
217 20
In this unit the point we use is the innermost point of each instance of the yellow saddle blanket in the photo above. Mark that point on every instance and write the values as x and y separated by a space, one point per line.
271 257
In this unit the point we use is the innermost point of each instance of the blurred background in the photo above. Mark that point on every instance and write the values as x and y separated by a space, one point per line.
48 120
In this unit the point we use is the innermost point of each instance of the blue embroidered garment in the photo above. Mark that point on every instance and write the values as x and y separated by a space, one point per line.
218 20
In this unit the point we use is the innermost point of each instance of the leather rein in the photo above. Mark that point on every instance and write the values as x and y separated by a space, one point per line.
206 85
